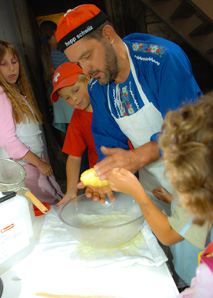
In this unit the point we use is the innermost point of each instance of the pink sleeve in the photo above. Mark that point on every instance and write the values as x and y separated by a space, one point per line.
8 139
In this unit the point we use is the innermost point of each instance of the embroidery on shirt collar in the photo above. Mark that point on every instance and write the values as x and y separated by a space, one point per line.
147 59
133 96
120 105
117 101
92 83
155 49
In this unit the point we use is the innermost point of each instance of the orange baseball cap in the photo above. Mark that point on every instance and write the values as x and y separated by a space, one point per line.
65 75
78 22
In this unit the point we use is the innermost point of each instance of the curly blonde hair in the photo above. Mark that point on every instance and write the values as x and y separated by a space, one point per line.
19 106
187 144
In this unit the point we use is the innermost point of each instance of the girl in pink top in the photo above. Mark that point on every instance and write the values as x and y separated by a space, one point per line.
20 134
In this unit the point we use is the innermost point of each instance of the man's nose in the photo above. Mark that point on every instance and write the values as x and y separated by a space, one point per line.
86 67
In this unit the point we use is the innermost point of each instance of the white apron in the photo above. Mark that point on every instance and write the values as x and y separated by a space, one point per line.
29 134
139 127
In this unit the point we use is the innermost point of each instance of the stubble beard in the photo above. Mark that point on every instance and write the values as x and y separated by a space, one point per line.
111 66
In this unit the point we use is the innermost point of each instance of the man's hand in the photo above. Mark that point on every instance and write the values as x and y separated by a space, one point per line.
97 193
116 158
131 160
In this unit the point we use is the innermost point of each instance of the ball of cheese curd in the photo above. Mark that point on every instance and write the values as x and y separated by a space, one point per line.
88 178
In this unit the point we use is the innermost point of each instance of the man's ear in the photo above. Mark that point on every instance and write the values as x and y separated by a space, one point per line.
108 33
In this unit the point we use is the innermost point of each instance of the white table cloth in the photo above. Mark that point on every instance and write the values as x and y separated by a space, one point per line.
61 265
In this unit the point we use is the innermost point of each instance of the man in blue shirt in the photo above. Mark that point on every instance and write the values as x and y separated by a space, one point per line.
135 81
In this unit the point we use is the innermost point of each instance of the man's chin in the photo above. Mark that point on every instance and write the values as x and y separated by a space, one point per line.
102 81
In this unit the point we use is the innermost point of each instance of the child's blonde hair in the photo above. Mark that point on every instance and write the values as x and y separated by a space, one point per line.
187 144
82 78
19 106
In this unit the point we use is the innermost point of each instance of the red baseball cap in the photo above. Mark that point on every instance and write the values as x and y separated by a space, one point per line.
65 75
78 22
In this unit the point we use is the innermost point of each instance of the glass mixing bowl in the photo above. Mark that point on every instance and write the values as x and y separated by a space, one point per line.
102 225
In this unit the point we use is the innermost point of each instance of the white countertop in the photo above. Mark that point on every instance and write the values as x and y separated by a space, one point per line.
51 268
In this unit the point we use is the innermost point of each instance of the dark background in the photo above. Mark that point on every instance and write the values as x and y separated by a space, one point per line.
128 17
46 7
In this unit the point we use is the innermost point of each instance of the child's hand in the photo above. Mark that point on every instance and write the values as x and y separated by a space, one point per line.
45 169
161 194
123 180
66 198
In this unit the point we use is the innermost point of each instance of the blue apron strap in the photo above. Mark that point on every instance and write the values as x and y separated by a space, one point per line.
186 227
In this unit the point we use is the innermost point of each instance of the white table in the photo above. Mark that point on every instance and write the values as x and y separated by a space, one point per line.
49 269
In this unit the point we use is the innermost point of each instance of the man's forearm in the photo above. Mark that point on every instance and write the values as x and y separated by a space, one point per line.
146 154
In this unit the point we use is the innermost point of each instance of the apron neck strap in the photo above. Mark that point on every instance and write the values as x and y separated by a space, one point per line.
140 90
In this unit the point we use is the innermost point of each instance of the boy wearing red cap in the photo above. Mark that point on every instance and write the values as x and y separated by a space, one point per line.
70 83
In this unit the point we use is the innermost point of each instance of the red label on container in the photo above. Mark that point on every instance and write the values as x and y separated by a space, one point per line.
7 228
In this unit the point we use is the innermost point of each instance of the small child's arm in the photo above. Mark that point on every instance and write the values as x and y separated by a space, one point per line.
73 166
40 164
124 181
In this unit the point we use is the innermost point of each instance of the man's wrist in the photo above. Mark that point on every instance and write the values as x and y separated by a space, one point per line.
146 154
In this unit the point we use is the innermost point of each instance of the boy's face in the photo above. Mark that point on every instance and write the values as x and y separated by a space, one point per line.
76 95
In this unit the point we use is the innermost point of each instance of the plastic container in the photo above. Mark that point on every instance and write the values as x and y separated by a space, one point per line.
17 216
17 238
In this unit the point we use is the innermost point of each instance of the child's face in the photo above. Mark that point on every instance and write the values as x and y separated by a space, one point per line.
76 95
184 200
9 67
